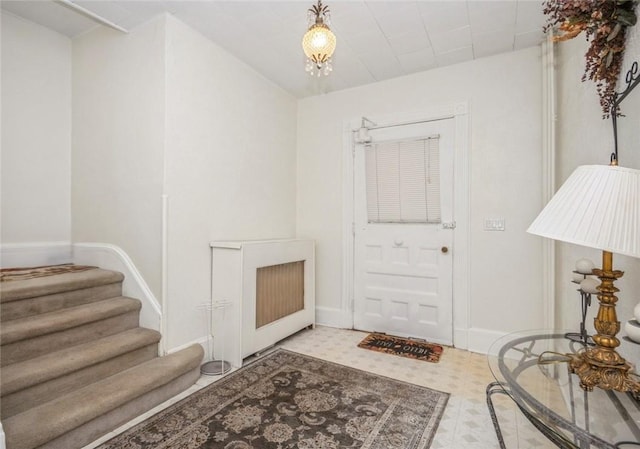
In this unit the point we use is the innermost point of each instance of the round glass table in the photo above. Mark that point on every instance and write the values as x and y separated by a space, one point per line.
531 368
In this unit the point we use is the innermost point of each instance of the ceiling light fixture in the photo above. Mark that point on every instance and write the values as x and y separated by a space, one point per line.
319 42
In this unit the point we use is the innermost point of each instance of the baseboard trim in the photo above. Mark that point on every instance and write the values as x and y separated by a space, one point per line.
461 338
481 340
111 257
333 317
32 254
2 443
474 339
203 341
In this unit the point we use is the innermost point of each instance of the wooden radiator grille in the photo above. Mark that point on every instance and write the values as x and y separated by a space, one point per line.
279 291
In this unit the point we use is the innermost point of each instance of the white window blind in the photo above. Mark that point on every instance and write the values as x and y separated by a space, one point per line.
403 181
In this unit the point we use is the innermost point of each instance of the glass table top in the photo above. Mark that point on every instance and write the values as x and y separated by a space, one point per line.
551 395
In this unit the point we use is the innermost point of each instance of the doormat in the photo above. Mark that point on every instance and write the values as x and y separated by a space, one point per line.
20 274
286 400
403 347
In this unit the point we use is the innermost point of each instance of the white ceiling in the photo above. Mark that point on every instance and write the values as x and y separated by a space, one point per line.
377 40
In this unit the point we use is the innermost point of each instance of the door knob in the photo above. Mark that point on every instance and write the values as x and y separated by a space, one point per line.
398 242
444 249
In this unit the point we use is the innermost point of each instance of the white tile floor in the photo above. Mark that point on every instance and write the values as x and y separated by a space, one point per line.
465 424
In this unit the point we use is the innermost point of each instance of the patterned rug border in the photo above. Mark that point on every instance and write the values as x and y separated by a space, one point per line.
340 365
25 273
433 356
431 424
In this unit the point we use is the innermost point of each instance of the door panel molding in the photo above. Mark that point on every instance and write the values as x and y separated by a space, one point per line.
461 209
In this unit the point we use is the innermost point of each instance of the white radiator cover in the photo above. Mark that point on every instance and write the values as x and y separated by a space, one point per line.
234 266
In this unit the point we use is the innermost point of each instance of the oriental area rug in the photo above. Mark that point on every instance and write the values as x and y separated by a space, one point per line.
404 347
286 400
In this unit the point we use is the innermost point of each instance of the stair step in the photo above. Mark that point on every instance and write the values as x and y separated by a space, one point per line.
79 417
30 383
60 320
49 285
11 310
33 336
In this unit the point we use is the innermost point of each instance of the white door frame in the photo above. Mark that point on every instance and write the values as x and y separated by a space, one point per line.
461 206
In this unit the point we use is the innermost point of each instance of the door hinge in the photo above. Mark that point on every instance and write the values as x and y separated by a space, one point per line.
449 225
353 228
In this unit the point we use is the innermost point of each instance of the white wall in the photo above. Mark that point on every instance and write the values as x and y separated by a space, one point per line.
36 133
504 94
585 138
118 142
230 166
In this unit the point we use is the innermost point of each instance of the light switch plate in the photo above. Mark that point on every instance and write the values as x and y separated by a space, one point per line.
494 224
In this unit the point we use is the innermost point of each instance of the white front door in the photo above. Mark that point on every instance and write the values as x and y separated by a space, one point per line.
403 270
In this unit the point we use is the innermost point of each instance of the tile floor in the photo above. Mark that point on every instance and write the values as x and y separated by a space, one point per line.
465 424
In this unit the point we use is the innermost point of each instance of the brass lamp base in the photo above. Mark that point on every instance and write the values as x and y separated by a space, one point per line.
602 366
602 375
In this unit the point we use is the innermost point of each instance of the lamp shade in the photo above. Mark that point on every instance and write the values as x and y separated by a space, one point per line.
598 207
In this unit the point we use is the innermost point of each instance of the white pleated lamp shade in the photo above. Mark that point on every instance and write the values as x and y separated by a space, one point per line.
599 207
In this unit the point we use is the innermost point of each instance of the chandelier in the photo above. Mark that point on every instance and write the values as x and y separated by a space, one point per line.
318 42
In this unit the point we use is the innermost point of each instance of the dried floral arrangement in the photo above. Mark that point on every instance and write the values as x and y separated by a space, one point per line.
605 23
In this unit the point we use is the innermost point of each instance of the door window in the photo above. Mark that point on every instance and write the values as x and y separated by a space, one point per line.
403 181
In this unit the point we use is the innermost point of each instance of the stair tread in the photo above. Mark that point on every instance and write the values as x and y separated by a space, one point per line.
72 410
47 285
59 320
21 375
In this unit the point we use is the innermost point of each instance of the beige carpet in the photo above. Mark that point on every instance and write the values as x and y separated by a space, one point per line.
286 400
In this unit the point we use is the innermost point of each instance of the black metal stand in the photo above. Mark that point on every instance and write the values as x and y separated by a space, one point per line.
502 388
632 79
585 302
493 388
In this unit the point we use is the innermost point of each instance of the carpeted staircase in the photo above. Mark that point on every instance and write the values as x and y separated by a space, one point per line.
74 362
